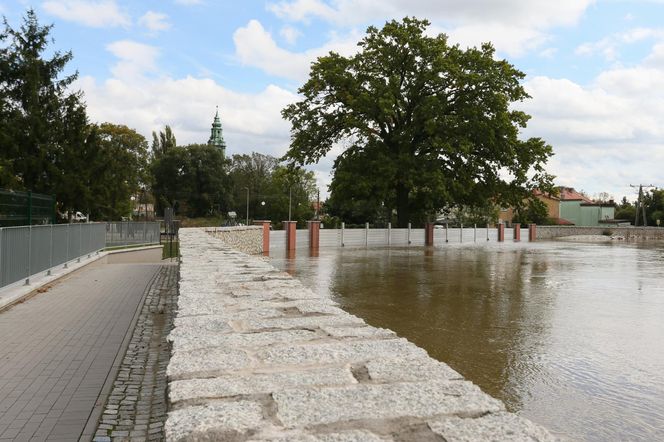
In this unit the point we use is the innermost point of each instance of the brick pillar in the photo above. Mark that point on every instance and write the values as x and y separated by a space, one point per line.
532 232
266 235
428 234
517 232
501 232
289 227
314 234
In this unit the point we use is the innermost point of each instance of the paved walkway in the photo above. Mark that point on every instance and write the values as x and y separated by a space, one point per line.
136 407
58 348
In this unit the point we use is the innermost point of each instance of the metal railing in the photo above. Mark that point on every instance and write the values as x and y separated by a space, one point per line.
29 250
132 232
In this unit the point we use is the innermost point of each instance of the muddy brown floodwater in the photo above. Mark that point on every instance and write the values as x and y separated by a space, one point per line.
570 335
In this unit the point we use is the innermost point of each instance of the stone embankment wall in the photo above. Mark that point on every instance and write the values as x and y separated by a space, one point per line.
247 239
256 356
629 233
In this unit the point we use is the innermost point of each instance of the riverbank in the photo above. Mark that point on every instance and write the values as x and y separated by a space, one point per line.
257 356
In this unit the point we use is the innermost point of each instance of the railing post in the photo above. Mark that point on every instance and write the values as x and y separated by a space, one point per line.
501 232
517 232
461 233
80 241
474 232
290 227
314 234
389 234
409 228
27 279
266 235
50 253
487 231
343 227
446 232
87 226
68 233
428 234
1 270
532 232
366 235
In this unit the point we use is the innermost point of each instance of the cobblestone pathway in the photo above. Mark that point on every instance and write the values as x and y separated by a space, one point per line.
136 407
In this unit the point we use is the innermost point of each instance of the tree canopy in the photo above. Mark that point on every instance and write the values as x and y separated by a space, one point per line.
47 144
423 125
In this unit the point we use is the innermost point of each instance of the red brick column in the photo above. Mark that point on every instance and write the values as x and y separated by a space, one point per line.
532 232
314 234
266 235
517 232
501 232
428 234
289 227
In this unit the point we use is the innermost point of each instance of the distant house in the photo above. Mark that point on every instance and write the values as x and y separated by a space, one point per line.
569 208
580 210
551 202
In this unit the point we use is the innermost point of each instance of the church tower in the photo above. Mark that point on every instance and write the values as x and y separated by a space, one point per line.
216 136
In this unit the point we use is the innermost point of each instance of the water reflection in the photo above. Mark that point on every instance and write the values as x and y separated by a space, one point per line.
569 335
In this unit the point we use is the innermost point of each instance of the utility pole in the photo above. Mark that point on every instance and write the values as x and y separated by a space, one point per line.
247 205
318 206
639 203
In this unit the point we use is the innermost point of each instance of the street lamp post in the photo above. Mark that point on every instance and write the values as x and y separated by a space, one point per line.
289 202
247 189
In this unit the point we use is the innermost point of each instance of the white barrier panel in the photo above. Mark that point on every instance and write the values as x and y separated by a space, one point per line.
278 240
330 237
302 239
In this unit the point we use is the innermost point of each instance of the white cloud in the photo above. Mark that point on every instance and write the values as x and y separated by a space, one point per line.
609 46
290 34
97 14
135 59
514 26
607 134
548 53
251 122
154 21
254 46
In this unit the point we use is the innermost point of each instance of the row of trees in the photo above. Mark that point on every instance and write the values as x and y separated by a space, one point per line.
197 181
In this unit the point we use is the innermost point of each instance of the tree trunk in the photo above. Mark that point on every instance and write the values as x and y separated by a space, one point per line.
403 212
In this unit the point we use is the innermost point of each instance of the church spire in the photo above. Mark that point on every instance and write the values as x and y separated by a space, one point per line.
216 136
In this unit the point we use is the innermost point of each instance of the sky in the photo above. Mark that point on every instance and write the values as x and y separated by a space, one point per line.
594 69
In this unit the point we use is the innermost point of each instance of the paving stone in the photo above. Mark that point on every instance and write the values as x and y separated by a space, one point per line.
257 383
206 362
343 436
214 421
492 427
212 323
339 352
358 332
382 401
416 369
192 341
306 322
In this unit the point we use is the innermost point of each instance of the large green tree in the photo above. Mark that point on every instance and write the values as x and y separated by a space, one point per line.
35 105
192 179
429 125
